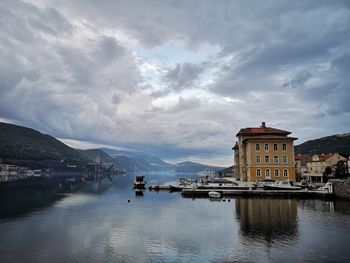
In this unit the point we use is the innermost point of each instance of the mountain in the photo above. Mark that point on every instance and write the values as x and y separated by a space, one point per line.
27 146
186 167
137 161
96 155
140 161
339 143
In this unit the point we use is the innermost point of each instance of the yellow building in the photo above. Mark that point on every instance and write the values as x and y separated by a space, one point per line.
264 153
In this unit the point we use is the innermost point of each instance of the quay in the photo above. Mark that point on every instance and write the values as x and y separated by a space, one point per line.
262 193
158 187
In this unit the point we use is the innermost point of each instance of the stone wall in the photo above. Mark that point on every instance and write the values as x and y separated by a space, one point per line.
341 188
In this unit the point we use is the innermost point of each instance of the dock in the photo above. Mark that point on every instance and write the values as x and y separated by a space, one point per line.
157 187
261 193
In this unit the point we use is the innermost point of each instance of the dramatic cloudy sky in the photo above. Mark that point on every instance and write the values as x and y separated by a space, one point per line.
174 78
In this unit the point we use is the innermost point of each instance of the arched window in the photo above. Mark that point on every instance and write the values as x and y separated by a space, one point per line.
267 173
277 173
258 172
285 173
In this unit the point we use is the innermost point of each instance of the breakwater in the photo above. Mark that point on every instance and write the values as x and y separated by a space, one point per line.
341 188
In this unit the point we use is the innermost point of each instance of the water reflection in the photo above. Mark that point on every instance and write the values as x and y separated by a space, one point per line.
139 192
16 203
111 223
268 219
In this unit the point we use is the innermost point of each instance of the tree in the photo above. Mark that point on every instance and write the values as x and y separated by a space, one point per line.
341 170
328 172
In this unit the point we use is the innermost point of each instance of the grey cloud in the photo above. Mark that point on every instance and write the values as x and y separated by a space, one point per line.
56 77
182 76
298 80
339 97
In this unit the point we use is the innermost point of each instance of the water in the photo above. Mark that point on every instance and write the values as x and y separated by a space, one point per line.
98 224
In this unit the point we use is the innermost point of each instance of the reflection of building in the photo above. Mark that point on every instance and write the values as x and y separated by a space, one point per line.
267 218
264 153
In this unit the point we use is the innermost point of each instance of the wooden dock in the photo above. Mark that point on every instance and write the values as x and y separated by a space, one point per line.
261 193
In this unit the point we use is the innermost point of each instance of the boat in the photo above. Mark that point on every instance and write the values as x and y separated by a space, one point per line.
328 188
214 194
139 183
186 181
261 184
281 185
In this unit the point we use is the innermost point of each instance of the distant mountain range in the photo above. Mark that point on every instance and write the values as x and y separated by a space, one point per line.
140 161
28 147
339 143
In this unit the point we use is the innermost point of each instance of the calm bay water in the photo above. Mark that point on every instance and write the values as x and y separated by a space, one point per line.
98 224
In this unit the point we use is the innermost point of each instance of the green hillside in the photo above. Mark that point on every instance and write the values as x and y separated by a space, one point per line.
339 143
21 144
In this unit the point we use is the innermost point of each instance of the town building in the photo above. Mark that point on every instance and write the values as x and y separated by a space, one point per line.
264 153
316 167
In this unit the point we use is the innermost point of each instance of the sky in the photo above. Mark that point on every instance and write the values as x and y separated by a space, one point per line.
176 79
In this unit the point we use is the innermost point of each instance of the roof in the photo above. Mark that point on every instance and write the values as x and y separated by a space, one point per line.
262 130
269 137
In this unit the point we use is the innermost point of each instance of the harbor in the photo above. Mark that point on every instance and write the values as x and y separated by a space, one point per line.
100 225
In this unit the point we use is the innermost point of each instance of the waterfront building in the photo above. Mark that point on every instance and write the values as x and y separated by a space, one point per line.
262 153
316 167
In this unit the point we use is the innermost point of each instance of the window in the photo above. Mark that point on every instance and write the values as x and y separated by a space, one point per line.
267 159
277 173
258 159
266 147
258 172
284 147
257 147
267 173
275 147
285 173
284 159
275 159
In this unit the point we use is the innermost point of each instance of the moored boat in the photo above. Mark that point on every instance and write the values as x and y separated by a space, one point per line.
214 194
328 188
139 182
281 185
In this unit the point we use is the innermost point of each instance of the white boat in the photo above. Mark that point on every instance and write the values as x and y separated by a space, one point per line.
214 194
328 187
37 173
282 185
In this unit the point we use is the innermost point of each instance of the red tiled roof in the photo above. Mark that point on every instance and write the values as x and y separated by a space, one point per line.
268 137
262 130
326 156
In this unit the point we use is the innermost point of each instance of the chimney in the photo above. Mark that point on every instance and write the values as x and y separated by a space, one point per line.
263 125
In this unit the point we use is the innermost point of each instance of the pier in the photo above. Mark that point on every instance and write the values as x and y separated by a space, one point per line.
268 193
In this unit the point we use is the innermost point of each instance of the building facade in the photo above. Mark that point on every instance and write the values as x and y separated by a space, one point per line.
316 167
264 153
